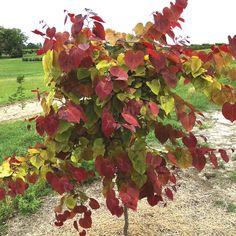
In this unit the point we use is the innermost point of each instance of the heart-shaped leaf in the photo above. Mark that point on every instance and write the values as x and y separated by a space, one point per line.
134 59
229 111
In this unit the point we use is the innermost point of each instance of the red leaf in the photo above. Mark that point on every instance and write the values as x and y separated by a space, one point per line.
119 73
232 45
97 18
104 88
172 158
129 195
199 160
182 3
105 167
173 179
170 76
229 111
112 203
65 61
224 155
17 187
77 25
82 233
134 59
72 113
2 194
162 132
129 127
48 45
213 159
58 223
154 108
94 204
32 178
50 32
99 31
190 141
187 120
75 224
38 32
123 163
40 52
80 209
130 119
48 124
169 194
154 199
108 124
86 222
80 174
59 184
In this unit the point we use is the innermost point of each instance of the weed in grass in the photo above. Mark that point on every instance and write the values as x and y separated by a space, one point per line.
10 69
19 95
232 176
231 208
26 204
220 203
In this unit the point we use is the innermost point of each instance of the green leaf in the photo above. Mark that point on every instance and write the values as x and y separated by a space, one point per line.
154 85
82 73
63 126
137 155
63 137
98 147
167 103
138 179
70 202
196 64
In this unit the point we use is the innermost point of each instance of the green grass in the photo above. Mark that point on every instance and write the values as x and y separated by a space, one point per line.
10 69
15 138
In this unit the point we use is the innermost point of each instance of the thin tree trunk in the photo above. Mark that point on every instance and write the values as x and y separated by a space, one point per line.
126 217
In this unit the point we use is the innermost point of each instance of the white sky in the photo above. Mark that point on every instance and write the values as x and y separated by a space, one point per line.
206 21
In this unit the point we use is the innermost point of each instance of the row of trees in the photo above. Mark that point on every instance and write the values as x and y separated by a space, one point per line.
13 41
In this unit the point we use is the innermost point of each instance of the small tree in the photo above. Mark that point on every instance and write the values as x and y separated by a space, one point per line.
107 92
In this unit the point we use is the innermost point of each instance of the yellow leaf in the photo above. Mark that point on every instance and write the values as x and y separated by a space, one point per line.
36 161
120 59
167 104
33 151
196 64
208 78
138 29
183 158
5 169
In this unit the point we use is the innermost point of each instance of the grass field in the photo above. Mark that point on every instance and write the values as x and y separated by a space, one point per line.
10 69
15 138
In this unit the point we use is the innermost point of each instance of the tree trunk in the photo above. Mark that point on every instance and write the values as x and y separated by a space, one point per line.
126 225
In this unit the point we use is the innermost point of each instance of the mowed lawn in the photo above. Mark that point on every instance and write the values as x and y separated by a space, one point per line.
16 138
11 68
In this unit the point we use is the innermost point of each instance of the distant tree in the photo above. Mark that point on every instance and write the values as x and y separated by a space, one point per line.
33 46
12 41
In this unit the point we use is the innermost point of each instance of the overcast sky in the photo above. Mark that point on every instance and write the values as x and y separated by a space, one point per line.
206 21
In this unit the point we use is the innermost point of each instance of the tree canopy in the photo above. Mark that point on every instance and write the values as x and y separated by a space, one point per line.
12 41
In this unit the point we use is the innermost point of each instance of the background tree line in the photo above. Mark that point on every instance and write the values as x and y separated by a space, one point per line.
13 42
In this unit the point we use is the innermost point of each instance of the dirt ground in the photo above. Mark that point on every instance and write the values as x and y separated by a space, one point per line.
200 207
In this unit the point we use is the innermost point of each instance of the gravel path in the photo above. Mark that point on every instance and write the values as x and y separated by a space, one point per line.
15 111
201 206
